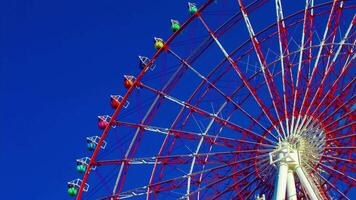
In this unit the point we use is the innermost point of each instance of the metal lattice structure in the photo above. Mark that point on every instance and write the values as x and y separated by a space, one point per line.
245 100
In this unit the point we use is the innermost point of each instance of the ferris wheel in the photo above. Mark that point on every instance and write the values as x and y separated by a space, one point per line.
245 100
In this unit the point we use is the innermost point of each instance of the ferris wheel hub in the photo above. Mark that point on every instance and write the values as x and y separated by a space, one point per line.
298 153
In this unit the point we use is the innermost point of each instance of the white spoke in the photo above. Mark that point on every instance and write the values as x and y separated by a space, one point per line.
330 68
317 60
265 71
229 99
302 47
204 113
283 50
328 182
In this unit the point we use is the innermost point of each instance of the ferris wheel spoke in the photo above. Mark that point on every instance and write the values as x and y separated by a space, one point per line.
192 164
215 138
340 118
122 172
259 186
190 113
207 114
124 167
229 188
237 182
243 78
250 182
344 70
333 102
330 184
337 171
225 177
211 139
327 72
182 112
200 180
341 137
335 99
342 147
272 89
334 31
175 183
216 158
337 109
260 183
307 28
184 177
339 159
322 46
348 86
214 171
228 98
328 92
198 149
341 127
287 80
249 79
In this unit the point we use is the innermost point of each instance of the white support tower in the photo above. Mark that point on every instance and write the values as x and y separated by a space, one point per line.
291 191
305 183
288 161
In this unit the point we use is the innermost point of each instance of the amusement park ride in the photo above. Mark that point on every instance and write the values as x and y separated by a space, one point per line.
283 130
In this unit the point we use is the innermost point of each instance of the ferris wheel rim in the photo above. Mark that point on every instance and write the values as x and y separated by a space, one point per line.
137 81
130 90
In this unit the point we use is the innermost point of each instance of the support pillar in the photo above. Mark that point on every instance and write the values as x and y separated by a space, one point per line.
281 183
291 191
305 183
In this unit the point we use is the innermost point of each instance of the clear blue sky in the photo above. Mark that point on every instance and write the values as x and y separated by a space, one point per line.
60 60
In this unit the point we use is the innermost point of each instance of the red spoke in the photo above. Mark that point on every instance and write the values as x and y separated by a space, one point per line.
174 182
223 141
307 33
341 137
333 86
217 158
205 113
337 98
229 99
340 118
243 78
338 172
222 179
320 88
332 185
340 159
341 127
266 73
235 184
322 46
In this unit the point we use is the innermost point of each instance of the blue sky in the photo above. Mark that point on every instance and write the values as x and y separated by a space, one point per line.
59 62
